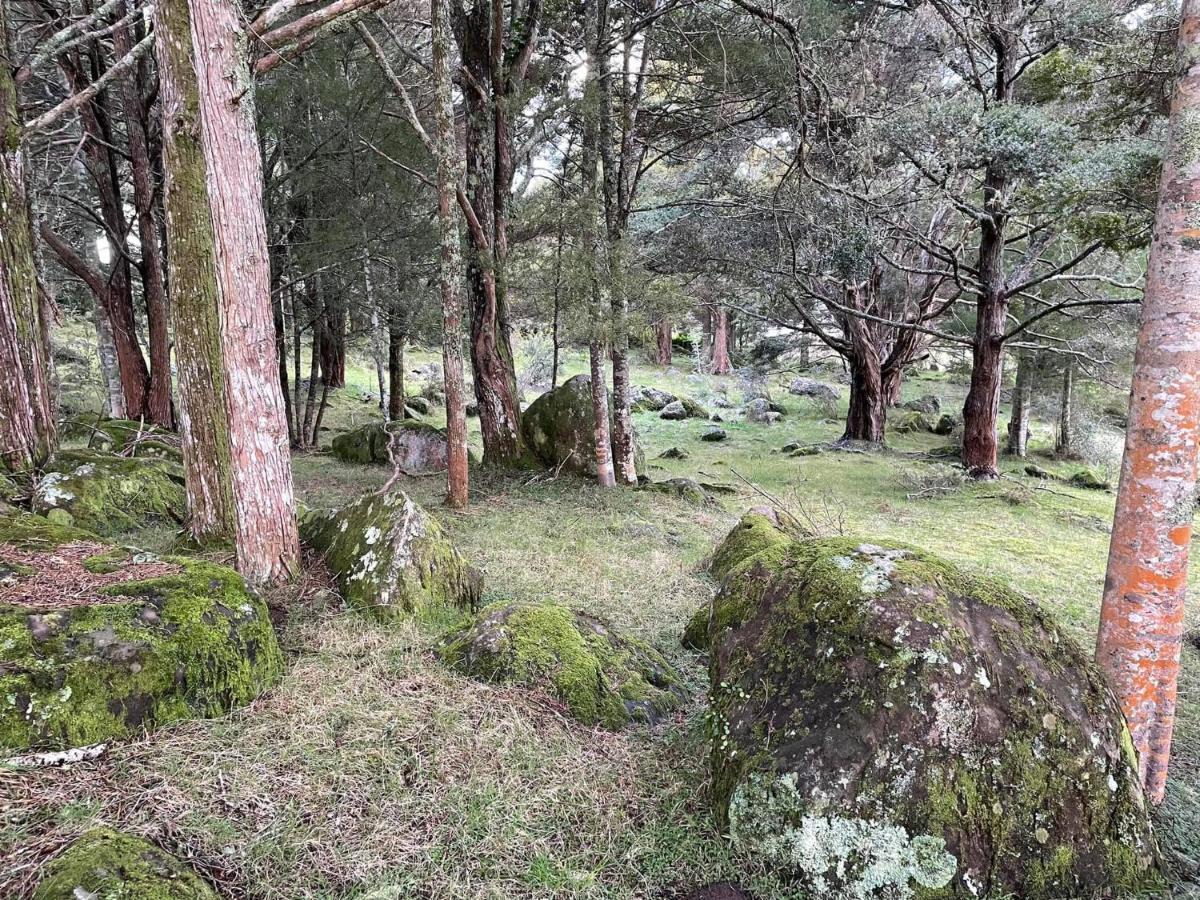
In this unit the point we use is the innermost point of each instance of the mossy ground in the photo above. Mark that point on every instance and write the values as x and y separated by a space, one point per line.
372 767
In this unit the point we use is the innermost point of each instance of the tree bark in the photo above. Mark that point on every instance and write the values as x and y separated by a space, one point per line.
154 288
1065 445
27 431
268 547
1141 620
893 381
449 174
1018 424
720 342
866 420
106 350
203 418
396 341
662 333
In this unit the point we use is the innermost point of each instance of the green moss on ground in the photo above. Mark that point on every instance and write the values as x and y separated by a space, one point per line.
602 677
109 494
107 865
193 644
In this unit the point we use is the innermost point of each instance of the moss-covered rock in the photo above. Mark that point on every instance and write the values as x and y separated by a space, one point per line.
886 725
418 447
391 558
686 489
194 643
910 421
116 435
1091 480
946 424
559 427
108 865
602 677
109 494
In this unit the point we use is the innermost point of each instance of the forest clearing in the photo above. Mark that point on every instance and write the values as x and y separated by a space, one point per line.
676 449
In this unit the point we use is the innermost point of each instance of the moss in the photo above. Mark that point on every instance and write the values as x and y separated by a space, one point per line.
109 865
923 698
193 644
391 558
106 562
602 677
115 435
109 494
754 534
558 429
36 532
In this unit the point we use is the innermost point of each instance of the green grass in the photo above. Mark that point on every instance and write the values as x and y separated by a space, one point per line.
373 772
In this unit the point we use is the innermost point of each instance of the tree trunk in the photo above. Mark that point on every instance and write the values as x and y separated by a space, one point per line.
1065 446
281 356
662 332
893 380
1141 621
268 547
623 443
333 339
866 419
27 433
449 174
203 419
1018 424
154 288
107 352
314 379
396 341
376 335
720 342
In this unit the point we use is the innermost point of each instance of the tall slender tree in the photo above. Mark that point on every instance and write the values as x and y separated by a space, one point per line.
1141 620
268 547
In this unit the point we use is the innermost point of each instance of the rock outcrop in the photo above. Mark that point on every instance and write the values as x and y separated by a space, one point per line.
601 676
886 725
391 559
99 643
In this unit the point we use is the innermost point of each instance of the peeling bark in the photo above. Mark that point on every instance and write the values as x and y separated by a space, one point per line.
1141 621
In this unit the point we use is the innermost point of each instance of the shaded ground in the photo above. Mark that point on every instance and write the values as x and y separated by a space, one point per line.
372 771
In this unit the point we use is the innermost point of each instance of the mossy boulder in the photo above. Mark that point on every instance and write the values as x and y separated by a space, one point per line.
109 494
929 404
601 676
559 428
193 643
686 489
1091 480
109 865
946 424
116 435
418 447
391 559
911 421
643 398
887 725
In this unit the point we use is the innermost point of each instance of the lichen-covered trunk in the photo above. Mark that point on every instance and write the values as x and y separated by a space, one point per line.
1141 620
1018 423
154 288
449 173
106 350
1065 445
662 334
27 433
203 423
720 342
268 547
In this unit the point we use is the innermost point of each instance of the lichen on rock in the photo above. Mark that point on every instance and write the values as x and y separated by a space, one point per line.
601 676
391 558
869 696
559 428
417 447
109 865
109 494
195 643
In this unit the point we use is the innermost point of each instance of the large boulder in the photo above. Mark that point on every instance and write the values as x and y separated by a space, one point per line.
109 494
98 643
886 725
104 864
813 389
601 676
391 559
559 428
929 404
418 447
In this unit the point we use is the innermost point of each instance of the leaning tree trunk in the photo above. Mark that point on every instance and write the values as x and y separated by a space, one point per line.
1065 446
203 422
27 433
1141 621
1018 423
268 546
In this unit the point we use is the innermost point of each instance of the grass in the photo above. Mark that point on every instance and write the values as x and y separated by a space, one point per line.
373 772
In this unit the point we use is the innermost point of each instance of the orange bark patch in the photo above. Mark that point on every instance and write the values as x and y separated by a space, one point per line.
58 578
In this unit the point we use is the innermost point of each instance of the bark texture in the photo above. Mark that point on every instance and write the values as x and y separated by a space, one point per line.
1141 621
1018 424
720 342
203 423
27 432
268 545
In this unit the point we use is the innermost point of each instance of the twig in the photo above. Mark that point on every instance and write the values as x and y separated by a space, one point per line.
56 757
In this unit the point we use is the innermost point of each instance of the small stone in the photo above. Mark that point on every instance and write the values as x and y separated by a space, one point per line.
713 435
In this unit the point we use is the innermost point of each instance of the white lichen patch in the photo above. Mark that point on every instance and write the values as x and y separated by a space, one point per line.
835 855
50 492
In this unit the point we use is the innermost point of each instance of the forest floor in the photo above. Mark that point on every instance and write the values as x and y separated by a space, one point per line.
372 771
